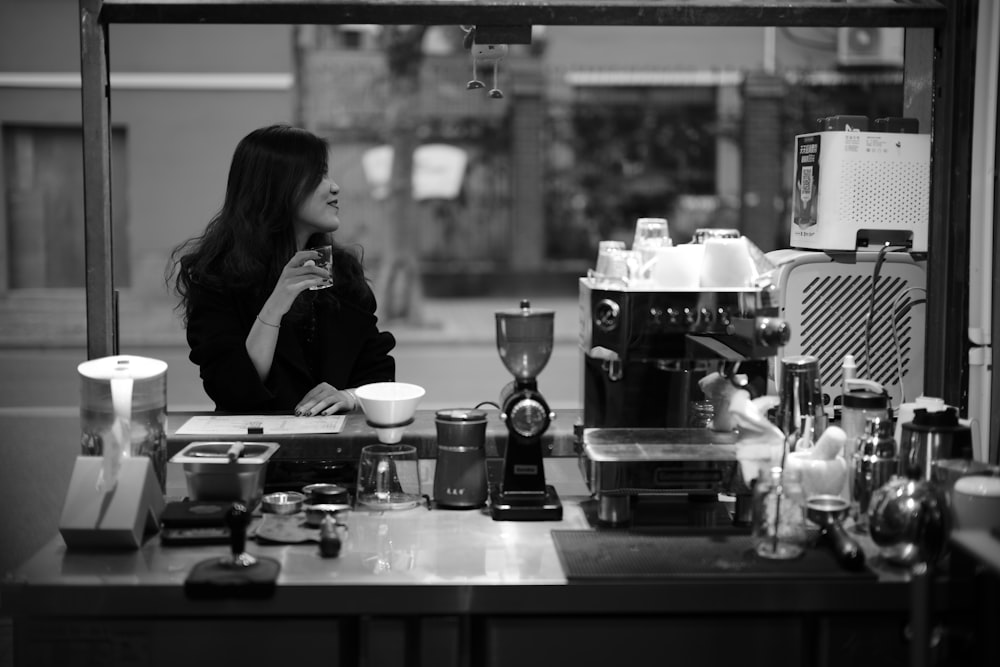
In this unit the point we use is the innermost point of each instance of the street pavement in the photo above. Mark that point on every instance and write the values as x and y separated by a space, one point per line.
453 356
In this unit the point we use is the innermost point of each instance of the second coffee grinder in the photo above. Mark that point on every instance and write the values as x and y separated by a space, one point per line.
524 341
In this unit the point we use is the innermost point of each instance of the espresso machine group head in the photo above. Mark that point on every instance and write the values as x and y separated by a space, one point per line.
524 341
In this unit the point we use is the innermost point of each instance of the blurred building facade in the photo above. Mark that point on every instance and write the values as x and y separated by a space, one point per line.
596 127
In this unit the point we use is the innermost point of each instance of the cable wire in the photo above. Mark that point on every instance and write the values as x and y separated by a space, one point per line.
897 312
871 303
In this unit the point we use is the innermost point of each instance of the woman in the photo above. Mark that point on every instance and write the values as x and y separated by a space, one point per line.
262 339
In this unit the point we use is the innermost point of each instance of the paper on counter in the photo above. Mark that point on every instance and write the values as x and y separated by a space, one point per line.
260 425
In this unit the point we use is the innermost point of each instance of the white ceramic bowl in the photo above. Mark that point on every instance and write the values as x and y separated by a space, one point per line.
389 403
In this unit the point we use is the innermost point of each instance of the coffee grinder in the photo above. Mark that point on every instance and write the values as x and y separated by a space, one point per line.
524 341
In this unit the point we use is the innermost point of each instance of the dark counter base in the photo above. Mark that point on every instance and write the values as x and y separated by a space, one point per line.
521 639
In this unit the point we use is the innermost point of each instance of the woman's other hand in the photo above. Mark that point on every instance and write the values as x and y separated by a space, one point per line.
324 399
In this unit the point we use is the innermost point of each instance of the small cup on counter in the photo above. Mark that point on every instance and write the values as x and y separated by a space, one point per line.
282 502
975 503
320 494
323 500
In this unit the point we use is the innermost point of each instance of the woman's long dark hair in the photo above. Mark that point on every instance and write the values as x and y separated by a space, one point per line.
248 242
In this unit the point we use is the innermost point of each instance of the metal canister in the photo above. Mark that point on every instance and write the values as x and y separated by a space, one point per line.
800 409
860 405
932 437
460 473
876 461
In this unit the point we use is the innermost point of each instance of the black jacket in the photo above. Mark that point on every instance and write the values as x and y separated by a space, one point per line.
336 342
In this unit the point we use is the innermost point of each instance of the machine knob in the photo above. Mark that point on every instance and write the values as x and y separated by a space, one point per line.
707 316
606 315
773 331
689 317
528 418
722 316
673 315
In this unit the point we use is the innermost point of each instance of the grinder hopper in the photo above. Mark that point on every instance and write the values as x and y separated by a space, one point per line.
524 340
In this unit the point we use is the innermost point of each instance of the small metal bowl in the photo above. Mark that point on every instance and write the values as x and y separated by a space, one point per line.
283 502
316 513
326 494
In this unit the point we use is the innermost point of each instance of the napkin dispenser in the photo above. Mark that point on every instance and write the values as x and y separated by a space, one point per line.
117 518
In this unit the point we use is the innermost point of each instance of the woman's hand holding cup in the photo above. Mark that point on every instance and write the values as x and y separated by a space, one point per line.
299 274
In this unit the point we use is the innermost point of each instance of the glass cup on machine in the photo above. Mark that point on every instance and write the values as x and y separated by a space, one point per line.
614 263
651 234
325 261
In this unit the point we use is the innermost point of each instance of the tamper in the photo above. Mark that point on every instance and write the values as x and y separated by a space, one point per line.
237 520
239 574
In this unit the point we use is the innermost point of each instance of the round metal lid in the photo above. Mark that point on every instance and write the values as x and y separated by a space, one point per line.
862 398
122 366
525 310
460 415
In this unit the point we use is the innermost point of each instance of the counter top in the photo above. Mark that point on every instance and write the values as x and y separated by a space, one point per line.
461 562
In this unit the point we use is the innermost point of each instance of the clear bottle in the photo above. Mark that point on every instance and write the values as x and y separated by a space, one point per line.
875 462
779 515
862 401
701 414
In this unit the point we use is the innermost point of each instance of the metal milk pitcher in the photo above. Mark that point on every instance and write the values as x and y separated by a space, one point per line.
123 413
932 437
876 461
800 409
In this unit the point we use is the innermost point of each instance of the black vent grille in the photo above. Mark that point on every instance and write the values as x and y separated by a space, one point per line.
834 315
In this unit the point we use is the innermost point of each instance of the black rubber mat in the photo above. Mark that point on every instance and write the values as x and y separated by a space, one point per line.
587 554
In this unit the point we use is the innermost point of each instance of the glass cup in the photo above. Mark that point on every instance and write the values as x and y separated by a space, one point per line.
651 234
325 261
612 264
389 477
779 519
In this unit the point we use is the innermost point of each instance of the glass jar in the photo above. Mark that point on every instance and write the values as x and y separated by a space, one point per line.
861 403
779 515
701 414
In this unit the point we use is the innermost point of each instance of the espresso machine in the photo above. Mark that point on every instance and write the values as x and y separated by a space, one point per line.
524 341
643 353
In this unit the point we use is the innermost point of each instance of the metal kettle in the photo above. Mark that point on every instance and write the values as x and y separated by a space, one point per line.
909 520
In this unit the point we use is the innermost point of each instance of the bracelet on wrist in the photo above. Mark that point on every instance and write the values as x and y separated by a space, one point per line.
274 326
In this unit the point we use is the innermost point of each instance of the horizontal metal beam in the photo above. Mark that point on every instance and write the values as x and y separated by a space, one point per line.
916 13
